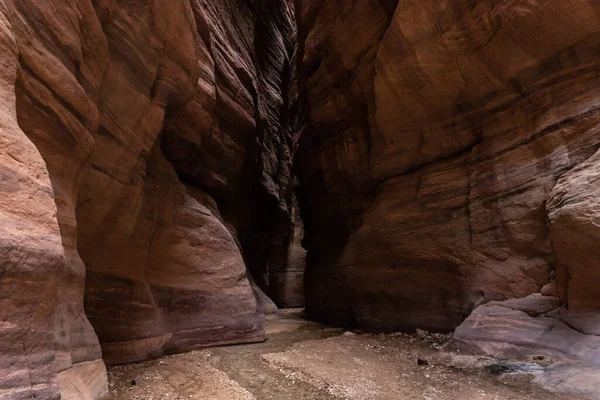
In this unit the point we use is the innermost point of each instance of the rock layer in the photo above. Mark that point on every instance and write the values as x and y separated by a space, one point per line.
574 218
131 131
446 153
534 329
286 280
436 135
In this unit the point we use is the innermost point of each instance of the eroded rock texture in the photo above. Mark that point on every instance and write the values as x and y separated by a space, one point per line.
445 155
563 324
286 280
448 161
144 145
536 329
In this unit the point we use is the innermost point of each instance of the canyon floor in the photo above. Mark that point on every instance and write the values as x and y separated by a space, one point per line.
305 360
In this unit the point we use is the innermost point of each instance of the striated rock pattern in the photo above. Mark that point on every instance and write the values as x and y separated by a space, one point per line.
449 163
286 280
574 218
448 149
447 154
564 324
143 144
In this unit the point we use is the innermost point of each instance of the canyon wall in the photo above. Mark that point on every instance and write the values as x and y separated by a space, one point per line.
448 157
146 150
286 279
449 174
446 154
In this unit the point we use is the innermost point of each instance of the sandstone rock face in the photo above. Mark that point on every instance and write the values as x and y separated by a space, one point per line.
143 145
565 329
534 329
286 280
574 218
444 155
446 151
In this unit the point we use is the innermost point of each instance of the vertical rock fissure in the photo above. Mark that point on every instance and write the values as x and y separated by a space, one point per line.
156 158
265 245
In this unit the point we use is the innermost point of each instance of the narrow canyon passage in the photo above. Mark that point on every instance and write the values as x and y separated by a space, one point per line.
175 174
305 360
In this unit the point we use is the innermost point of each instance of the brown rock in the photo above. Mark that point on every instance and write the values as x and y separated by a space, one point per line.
31 246
447 157
574 219
435 135
286 280
131 131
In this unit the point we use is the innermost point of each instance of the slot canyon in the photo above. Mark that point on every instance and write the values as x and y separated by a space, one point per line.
176 174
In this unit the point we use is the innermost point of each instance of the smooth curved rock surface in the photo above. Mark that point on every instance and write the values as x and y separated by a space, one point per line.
130 131
446 152
533 329
574 219
286 280
435 135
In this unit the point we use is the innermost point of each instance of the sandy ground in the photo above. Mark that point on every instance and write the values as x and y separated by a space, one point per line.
304 360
